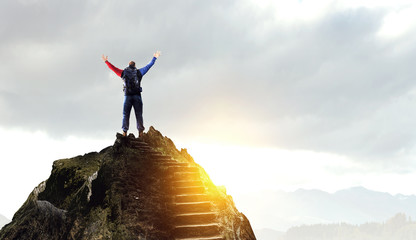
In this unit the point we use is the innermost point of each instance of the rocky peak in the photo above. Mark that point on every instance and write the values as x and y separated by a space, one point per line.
135 189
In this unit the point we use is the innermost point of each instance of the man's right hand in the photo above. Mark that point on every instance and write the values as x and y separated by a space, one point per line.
156 54
104 58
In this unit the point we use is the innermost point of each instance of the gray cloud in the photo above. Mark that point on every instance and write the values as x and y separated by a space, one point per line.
326 85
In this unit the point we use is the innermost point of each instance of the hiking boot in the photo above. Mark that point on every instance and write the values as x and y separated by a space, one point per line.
140 134
124 133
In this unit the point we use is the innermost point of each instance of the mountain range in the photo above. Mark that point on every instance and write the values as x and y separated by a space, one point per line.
280 210
399 227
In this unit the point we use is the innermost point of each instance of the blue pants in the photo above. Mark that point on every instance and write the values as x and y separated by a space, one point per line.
136 102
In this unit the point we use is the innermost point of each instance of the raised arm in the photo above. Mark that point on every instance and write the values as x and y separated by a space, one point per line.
111 66
145 69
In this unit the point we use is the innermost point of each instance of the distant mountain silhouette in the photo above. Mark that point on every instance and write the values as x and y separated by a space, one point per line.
399 227
281 210
135 189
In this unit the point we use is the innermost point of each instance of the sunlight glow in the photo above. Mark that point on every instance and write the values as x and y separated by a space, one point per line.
245 169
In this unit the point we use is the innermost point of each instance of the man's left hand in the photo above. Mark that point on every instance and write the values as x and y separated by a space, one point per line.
156 54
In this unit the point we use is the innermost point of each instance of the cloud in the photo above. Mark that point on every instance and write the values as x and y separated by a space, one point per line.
229 71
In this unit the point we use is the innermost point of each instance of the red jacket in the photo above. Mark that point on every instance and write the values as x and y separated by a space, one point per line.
118 71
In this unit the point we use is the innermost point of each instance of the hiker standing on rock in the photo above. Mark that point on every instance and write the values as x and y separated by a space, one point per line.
132 91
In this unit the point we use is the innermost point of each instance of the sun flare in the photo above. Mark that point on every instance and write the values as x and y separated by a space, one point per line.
246 169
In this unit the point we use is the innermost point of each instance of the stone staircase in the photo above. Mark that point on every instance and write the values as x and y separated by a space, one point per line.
192 208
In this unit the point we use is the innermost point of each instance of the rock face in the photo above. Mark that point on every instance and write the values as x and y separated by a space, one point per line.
135 189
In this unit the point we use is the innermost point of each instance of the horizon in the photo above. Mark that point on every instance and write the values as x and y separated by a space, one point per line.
233 187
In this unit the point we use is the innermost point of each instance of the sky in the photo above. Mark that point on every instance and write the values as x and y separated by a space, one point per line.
275 95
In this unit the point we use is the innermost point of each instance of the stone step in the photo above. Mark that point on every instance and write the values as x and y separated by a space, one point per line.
202 238
185 169
186 183
156 153
161 157
166 162
175 163
137 139
139 143
186 175
183 198
142 148
197 231
195 218
146 151
189 190
192 207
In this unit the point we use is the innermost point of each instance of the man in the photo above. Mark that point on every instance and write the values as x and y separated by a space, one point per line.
132 78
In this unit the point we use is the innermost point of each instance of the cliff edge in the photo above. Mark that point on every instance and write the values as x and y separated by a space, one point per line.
135 189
